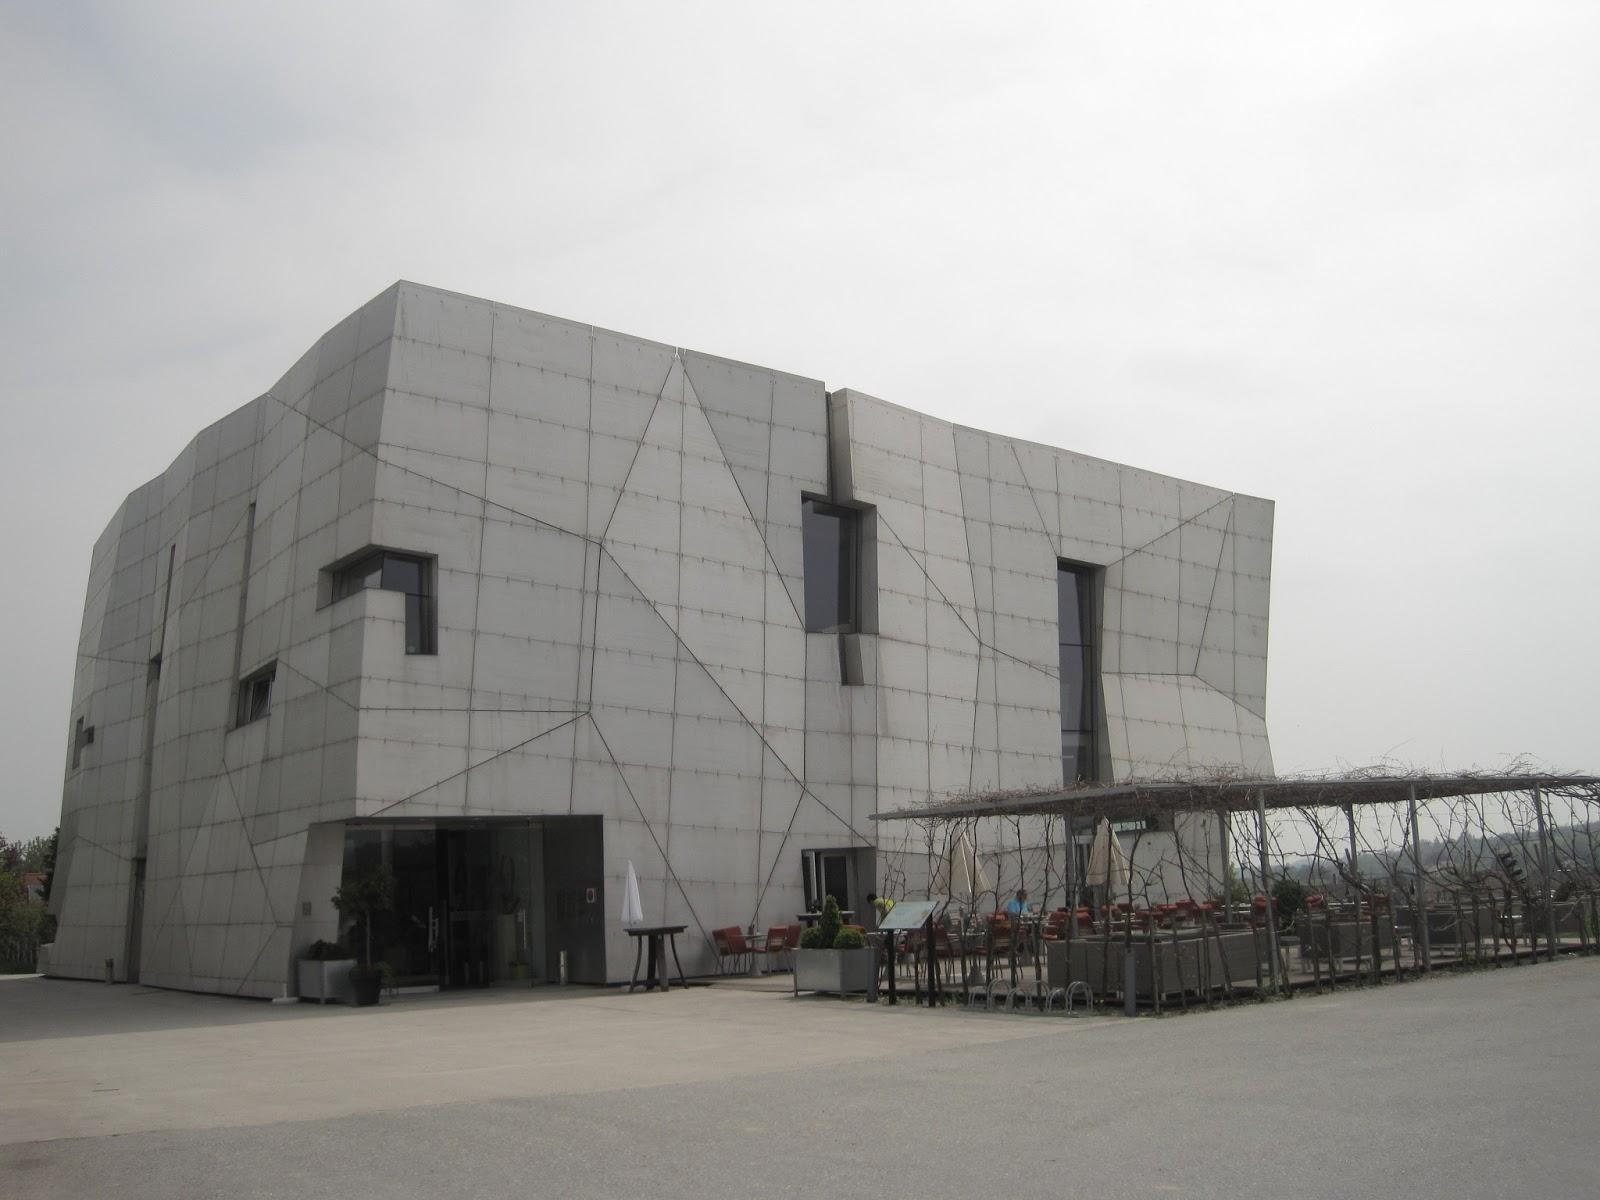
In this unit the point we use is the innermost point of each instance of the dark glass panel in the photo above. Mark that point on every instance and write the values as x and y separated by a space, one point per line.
1075 710
829 538
402 574
1068 618
363 850
1077 756
365 573
419 624
1086 629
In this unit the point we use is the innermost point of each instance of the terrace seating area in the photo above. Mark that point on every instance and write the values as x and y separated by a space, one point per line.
1191 952
741 951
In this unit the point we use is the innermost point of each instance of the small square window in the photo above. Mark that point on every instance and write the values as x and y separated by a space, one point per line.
255 695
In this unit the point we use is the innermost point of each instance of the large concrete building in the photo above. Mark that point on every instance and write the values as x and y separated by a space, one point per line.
508 602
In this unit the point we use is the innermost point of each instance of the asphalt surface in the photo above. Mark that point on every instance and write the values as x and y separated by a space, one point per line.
1460 1086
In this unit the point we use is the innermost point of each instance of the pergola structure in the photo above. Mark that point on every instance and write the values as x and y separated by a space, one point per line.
1228 795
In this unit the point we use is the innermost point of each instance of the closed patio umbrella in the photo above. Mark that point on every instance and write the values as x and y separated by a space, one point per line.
960 875
1108 865
632 910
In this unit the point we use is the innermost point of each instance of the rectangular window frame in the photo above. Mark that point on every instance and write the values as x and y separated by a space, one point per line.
381 570
1085 735
253 700
82 735
848 587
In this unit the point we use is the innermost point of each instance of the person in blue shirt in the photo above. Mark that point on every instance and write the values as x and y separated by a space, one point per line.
1016 911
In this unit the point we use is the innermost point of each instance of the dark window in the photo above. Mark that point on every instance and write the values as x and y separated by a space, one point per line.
1080 684
832 537
255 695
82 735
390 572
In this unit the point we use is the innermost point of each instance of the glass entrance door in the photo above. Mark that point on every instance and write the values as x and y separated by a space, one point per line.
469 902
415 951
468 915
409 936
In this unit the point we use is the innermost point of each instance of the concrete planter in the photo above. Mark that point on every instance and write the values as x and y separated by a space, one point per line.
843 972
323 980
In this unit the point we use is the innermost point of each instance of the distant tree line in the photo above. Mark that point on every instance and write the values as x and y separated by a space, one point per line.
25 921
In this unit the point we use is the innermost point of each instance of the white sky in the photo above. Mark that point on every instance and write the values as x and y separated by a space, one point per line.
1342 256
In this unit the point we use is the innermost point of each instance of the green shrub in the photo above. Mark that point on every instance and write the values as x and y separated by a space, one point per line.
1288 900
850 939
363 895
830 922
811 939
320 951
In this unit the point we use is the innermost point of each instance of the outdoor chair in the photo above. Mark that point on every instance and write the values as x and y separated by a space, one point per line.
730 944
776 948
1000 932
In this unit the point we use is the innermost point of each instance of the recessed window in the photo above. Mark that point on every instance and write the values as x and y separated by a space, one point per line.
255 695
390 572
1080 684
832 537
82 735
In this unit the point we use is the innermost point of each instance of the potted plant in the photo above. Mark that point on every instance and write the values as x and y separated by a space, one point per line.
358 898
832 958
323 972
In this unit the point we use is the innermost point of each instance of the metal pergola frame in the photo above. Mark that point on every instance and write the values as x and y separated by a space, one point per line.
1136 799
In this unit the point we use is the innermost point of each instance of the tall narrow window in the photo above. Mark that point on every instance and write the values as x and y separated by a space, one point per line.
1080 683
832 555
82 735
391 572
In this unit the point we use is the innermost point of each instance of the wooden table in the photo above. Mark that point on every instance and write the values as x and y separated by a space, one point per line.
658 936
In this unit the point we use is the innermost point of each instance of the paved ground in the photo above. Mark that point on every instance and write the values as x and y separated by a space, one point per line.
1479 1085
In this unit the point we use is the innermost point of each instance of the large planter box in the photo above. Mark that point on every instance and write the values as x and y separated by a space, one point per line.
1347 939
843 972
323 980
1180 967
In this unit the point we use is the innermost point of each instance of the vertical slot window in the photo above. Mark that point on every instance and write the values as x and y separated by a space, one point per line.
1080 683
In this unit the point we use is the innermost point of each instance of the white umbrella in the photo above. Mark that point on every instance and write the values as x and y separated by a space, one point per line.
960 875
1108 865
632 910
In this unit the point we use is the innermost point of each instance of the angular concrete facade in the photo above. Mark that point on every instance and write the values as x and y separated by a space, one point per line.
613 532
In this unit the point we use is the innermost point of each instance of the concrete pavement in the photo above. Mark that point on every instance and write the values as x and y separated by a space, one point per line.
1476 1085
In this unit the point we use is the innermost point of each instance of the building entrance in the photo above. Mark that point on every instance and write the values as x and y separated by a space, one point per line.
487 903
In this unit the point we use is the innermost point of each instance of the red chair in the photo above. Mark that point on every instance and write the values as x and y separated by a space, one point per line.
1000 932
730 943
775 948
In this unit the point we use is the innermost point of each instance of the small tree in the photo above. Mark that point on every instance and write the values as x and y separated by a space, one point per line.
821 935
1288 901
363 894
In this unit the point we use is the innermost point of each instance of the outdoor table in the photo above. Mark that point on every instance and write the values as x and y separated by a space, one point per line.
812 918
658 936
758 945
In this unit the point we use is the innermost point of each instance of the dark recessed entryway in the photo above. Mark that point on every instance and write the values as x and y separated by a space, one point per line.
490 902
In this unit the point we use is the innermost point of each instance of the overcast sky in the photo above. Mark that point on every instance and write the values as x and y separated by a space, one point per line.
1343 256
